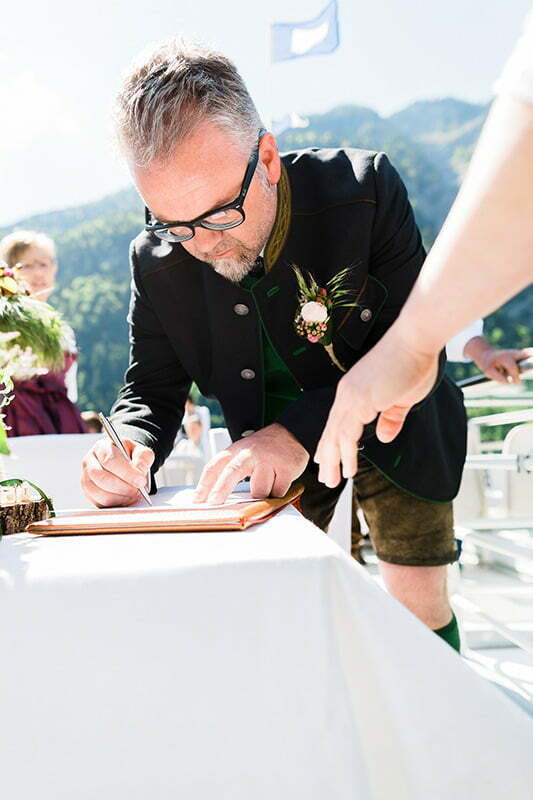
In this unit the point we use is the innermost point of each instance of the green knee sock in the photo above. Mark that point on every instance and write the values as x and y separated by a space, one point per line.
450 634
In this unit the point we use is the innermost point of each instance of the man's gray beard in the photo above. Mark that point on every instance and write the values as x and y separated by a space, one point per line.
235 269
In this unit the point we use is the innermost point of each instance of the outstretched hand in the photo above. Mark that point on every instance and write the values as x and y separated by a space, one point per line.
387 382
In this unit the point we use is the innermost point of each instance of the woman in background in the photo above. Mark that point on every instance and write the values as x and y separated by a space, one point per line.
44 403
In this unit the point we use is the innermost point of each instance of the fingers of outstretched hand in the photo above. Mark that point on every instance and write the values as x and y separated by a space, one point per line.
390 423
328 454
338 445
348 448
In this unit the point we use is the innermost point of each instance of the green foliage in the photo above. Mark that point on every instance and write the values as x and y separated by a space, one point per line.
4 447
6 396
96 307
494 433
38 325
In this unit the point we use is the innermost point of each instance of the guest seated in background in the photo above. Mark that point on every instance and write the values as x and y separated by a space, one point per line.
45 403
92 421
190 444
190 406
496 364
191 410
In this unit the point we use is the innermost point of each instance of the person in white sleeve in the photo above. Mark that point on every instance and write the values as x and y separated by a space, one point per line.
496 364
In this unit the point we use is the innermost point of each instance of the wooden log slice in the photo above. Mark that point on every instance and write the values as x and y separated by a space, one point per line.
15 518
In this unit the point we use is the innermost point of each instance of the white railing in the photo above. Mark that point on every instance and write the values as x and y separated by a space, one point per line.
516 401
504 418
519 639
489 394
513 463
481 392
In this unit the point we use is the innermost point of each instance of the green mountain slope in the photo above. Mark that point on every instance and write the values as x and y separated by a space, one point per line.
446 130
354 126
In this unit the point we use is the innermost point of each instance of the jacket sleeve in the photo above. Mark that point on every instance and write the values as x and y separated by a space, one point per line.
396 257
150 404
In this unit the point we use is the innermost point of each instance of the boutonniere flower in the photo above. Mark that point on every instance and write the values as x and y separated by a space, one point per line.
315 306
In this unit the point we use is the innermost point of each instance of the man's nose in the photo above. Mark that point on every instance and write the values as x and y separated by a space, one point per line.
207 240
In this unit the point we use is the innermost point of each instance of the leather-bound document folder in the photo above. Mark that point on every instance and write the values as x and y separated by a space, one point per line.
235 515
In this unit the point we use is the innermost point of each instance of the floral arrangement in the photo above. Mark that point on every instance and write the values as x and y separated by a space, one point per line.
32 339
313 318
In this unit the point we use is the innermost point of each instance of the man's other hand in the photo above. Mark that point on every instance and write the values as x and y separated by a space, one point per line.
272 457
108 479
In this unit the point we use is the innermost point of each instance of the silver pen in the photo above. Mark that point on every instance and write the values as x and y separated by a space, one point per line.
115 438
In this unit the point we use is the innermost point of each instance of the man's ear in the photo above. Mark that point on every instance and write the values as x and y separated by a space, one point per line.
269 155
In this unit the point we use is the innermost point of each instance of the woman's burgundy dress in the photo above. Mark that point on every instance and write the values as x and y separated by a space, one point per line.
41 405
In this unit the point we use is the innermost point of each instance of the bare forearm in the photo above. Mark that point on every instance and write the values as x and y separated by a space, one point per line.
476 348
484 253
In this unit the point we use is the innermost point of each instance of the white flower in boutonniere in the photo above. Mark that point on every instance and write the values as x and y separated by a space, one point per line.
314 312
313 317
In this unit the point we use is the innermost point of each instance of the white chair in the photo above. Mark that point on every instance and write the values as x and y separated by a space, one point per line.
205 418
180 470
471 503
340 527
219 439
52 462
519 485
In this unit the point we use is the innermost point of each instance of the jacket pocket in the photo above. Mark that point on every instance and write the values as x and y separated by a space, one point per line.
354 325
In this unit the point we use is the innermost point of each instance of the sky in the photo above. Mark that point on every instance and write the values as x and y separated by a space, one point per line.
61 61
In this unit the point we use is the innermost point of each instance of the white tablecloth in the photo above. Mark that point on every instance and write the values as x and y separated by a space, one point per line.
262 665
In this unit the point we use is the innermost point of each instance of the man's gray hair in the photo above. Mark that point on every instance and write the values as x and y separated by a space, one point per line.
171 90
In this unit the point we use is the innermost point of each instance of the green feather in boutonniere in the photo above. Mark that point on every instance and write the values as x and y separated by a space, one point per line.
313 318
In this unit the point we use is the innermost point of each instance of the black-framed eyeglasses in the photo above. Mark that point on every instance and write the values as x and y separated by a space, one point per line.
218 219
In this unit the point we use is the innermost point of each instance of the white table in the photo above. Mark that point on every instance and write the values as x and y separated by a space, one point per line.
249 666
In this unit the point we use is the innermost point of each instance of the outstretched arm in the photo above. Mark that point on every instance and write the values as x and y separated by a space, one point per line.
482 257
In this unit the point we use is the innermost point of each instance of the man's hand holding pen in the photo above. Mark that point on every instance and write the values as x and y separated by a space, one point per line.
109 479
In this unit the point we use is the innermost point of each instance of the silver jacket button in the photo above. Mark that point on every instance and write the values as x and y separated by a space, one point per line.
366 314
247 374
244 434
241 309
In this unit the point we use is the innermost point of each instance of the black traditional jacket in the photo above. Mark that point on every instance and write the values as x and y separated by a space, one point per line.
336 208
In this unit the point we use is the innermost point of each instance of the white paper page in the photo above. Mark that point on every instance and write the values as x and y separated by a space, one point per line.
176 497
